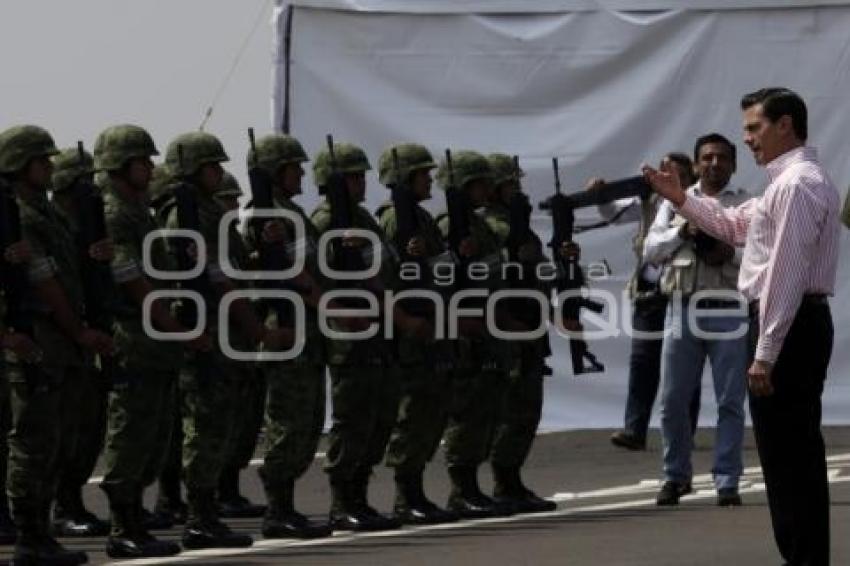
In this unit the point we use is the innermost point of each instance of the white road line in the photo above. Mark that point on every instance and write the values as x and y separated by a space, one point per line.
262 545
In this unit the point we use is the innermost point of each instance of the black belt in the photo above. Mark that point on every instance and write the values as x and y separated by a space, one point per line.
717 304
809 300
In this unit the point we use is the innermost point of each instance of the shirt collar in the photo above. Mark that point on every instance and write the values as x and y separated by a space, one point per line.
696 189
784 161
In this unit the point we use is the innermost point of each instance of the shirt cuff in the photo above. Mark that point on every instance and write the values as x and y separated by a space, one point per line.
767 350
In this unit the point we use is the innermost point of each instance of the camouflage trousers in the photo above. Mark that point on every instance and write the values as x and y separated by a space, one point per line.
209 408
521 409
35 439
84 402
250 398
422 417
139 422
5 425
295 415
365 404
474 409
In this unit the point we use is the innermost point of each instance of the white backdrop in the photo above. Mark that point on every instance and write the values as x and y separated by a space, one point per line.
603 90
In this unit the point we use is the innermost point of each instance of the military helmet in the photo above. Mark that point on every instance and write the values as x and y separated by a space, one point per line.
68 166
411 157
276 150
504 168
229 187
117 145
20 144
349 159
467 166
198 148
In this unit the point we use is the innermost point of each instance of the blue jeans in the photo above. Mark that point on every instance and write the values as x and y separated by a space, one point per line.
684 355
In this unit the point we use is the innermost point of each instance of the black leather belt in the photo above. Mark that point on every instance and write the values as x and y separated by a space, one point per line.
810 300
717 304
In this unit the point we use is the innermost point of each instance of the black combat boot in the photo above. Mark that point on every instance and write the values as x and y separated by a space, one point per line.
152 521
34 545
466 498
360 499
203 528
283 521
129 539
232 504
510 490
72 519
412 507
344 514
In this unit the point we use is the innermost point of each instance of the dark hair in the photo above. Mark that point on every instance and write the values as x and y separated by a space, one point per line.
714 137
682 160
778 102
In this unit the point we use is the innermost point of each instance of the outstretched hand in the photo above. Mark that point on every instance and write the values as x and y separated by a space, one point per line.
666 183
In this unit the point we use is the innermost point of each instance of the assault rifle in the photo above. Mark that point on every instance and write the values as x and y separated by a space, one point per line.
188 218
273 255
345 258
98 286
13 276
570 275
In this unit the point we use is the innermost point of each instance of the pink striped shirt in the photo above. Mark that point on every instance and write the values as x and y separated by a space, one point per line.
790 237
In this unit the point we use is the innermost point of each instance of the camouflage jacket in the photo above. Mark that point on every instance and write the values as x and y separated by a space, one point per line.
54 255
375 350
128 223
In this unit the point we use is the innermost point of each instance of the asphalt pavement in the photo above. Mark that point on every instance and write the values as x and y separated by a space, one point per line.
606 516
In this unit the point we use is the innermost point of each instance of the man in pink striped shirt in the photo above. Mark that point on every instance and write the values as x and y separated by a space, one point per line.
790 237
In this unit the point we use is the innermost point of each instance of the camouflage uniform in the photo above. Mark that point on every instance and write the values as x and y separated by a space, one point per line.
295 406
7 527
425 387
83 399
141 399
363 393
250 396
208 385
479 383
36 436
522 403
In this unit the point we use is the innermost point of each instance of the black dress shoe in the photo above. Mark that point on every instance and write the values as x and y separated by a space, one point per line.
353 521
472 507
46 551
293 525
213 534
140 547
671 492
528 502
728 497
623 439
86 525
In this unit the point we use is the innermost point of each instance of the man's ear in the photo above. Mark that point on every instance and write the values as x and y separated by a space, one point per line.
785 124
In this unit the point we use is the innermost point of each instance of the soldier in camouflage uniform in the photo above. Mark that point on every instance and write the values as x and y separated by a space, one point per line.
145 369
479 382
55 298
207 380
84 400
23 346
250 394
522 403
364 395
295 407
425 386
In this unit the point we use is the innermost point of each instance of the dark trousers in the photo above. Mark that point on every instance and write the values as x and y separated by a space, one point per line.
645 367
787 427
